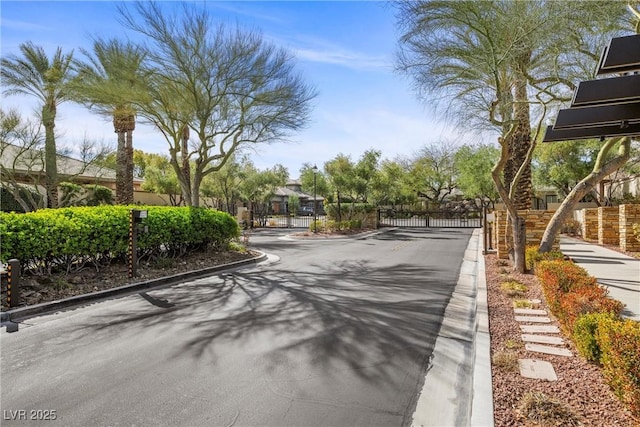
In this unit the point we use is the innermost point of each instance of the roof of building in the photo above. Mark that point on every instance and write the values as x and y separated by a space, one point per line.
24 160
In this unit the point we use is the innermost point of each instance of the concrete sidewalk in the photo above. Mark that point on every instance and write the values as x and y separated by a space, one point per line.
618 272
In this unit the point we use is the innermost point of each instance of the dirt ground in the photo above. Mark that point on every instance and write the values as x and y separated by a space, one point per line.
35 290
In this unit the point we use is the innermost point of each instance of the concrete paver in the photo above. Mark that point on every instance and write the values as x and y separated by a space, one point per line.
530 311
542 339
539 329
557 351
537 369
533 319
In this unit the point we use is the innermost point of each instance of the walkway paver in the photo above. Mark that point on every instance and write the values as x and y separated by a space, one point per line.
530 311
542 339
547 349
537 369
539 329
533 319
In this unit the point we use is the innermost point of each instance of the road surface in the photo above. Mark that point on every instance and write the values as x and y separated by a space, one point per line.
337 332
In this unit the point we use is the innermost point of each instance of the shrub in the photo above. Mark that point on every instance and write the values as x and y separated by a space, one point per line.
572 227
65 237
585 335
636 231
513 288
522 303
545 411
560 277
533 257
619 342
589 299
506 360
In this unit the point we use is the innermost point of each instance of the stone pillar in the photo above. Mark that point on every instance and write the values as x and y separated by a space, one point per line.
628 215
590 224
535 225
608 228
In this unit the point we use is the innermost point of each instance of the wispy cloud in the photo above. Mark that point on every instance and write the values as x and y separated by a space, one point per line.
251 12
344 58
21 25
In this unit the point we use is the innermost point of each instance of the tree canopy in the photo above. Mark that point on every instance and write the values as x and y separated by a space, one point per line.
214 90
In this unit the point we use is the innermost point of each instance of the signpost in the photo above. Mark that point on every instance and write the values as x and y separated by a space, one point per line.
135 223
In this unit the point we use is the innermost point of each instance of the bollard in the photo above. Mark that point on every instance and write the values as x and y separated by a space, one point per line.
13 283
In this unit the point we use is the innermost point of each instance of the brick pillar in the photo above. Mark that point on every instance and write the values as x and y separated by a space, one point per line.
628 215
608 227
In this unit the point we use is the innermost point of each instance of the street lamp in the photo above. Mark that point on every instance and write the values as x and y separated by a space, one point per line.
315 202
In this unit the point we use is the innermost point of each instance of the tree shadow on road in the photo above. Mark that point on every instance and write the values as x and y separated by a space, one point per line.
353 314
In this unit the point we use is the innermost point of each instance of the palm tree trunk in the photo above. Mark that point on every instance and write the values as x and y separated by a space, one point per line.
50 155
129 171
121 169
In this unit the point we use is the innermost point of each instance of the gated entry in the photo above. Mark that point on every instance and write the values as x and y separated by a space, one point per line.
429 219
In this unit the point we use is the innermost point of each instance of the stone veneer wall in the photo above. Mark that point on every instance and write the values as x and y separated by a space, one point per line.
535 224
590 224
608 225
628 215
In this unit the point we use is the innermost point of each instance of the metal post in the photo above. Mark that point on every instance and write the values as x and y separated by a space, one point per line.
315 203
133 250
13 283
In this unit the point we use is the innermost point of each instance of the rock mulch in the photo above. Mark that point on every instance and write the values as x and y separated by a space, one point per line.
579 387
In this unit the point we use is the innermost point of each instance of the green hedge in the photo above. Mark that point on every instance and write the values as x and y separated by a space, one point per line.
533 257
47 238
593 320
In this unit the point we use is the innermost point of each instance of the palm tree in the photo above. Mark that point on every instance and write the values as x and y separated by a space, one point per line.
35 74
109 82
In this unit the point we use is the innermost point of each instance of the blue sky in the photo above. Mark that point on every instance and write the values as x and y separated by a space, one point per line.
344 49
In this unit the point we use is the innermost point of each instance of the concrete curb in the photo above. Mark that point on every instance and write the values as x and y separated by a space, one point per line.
482 405
52 306
457 388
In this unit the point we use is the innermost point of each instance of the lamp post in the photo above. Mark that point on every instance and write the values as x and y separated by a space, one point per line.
315 202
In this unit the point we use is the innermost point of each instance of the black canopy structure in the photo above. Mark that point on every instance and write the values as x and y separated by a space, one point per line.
606 107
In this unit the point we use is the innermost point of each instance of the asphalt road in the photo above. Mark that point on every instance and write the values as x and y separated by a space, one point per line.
325 333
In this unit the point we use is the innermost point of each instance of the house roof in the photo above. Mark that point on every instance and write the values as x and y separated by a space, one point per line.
24 161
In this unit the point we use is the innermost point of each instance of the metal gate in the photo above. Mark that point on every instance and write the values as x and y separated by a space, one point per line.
429 219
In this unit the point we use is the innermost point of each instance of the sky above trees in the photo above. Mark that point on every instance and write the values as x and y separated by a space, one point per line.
344 49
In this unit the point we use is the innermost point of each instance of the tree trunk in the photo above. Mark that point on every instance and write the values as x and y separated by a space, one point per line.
585 186
185 169
124 124
50 155
519 144
129 154
121 169
519 244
